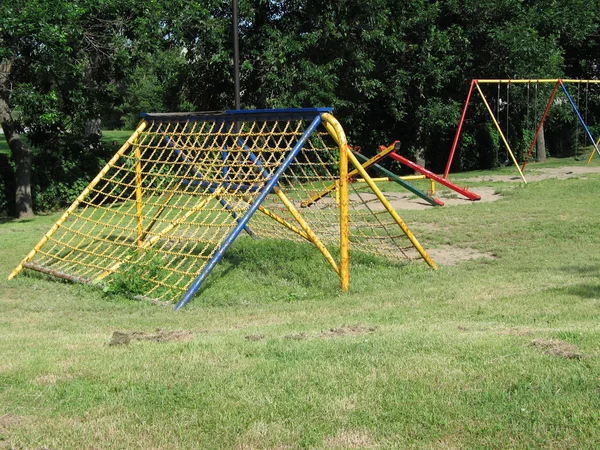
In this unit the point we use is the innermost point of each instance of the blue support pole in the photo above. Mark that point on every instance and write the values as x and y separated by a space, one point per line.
587 130
244 220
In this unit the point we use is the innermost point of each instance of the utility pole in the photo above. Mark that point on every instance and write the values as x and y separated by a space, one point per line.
236 55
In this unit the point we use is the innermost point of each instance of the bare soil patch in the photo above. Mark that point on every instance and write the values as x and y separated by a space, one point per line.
533 174
402 200
125 338
450 256
254 337
558 348
350 439
348 330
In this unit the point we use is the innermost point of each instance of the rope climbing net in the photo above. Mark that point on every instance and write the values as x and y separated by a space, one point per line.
183 187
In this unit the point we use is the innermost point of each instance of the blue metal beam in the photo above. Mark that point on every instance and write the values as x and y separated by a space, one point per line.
585 127
238 115
259 199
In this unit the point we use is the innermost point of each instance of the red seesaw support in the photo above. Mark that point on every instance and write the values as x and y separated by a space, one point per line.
429 174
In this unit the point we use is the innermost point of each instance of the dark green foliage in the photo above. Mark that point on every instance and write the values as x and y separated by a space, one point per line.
63 166
132 278
392 70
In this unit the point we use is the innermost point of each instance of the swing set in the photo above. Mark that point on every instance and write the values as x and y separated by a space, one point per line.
500 104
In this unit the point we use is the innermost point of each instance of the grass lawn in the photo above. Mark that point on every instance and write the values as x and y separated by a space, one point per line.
495 352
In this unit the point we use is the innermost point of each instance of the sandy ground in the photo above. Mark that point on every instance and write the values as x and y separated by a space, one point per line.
406 200
449 255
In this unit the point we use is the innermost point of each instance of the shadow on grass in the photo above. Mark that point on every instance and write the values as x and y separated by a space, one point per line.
8 219
583 290
585 270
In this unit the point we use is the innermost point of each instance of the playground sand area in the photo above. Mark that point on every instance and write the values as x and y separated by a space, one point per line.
451 255
402 200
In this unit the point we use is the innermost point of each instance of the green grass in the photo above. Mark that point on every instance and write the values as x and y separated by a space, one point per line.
4 149
491 353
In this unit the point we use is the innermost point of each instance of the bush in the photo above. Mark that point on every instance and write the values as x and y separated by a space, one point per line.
63 165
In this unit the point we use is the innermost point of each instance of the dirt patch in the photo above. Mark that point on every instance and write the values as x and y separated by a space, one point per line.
448 255
349 439
296 336
348 330
254 337
406 200
532 174
125 338
558 348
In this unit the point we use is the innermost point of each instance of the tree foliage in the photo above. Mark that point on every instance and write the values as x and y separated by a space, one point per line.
391 69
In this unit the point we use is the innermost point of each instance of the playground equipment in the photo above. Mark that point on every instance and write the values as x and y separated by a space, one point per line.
402 181
476 83
180 191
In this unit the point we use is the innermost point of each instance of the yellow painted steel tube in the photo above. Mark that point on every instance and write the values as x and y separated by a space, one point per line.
168 228
332 186
278 219
376 180
391 210
157 214
592 154
306 227
337 132
142 125
139 202
512 156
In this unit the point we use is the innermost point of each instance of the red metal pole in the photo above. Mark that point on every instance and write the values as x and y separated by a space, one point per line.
460 124
433 176
540 125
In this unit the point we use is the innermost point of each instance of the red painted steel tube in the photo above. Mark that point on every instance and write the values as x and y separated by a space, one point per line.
457 135
540 125
433 176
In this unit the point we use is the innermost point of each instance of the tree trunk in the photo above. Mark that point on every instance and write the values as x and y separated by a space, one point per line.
22 157
540 146
420 150
20 153
93 128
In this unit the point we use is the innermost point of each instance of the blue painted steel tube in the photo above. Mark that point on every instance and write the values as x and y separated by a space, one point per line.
244 220
587 130
211 186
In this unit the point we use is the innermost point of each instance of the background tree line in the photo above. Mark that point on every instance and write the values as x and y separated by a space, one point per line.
391 69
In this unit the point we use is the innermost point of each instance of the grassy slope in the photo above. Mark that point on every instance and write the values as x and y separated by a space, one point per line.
443 359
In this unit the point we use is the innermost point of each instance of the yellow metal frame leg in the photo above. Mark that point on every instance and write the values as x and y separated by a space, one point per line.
391 210
79 199
592 154
512 156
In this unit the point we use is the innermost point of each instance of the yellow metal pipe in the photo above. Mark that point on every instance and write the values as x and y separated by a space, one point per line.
367 164
157 214
142 125
592 154
337 132
139 203
391 210
167 229
306 227
278 219
376 180
501 133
